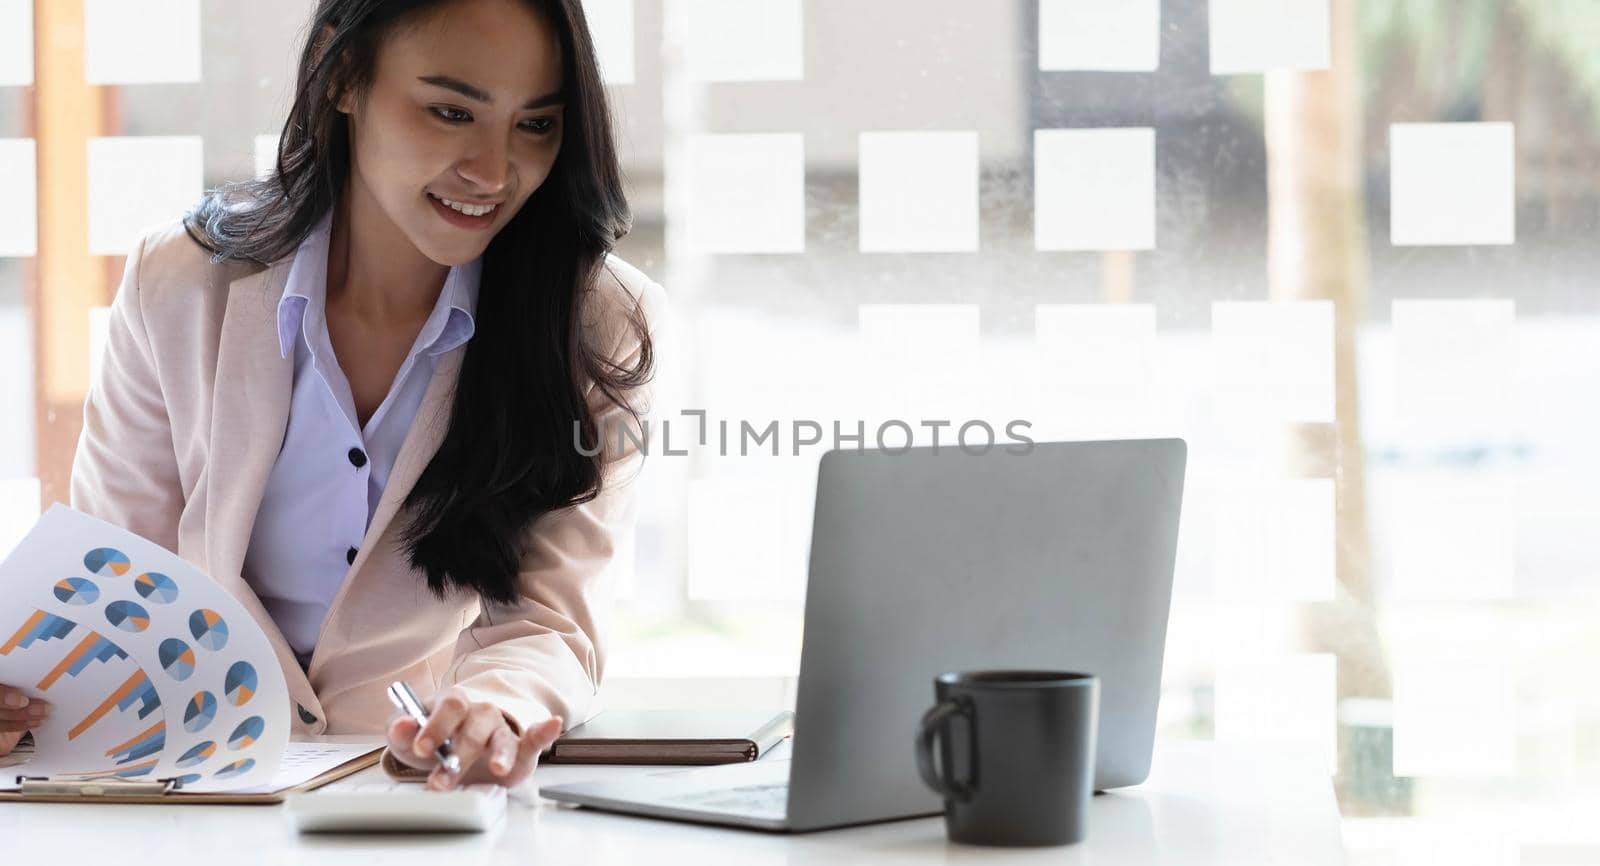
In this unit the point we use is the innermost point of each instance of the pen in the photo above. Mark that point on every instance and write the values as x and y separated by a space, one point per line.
404 698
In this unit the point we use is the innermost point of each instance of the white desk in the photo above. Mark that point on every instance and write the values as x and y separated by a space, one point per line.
1202 805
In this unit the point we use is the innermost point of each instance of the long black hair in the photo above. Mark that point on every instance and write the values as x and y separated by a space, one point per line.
508 456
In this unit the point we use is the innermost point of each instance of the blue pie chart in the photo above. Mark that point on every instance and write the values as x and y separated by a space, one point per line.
209 629
156 587
128 616
76 590
202 708
106 560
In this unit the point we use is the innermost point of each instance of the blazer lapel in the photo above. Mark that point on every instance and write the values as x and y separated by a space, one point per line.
250 413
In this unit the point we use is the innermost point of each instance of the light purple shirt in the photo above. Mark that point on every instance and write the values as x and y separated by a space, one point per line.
318 501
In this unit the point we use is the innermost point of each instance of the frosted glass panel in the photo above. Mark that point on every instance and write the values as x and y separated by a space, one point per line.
1096 366
1094 189
19 207
1112 35
919 191
1274 539
1452 184
743 40
138 183
16 43
611 26
141 41
1274 361
1258 35
747 193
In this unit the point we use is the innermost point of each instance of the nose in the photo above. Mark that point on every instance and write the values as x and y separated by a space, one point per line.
488 166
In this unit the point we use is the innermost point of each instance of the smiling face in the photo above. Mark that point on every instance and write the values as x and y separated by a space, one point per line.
465 105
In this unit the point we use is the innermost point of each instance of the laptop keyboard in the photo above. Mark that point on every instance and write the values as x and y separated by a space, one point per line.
765 800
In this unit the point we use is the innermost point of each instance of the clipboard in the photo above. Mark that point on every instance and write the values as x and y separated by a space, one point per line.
168 792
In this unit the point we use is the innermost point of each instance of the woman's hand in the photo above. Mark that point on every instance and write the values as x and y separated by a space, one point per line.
479 734
18 715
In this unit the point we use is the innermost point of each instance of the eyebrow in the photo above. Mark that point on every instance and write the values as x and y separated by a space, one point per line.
480 95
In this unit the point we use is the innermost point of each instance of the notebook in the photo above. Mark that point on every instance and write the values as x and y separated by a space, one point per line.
671 737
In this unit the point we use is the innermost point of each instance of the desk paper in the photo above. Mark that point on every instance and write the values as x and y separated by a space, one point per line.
153 669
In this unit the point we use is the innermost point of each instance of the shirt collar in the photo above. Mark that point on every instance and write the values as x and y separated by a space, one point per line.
449 325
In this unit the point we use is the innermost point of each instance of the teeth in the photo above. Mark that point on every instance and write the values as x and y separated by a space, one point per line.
468 209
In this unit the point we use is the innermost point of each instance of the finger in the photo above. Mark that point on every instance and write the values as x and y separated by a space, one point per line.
401 733
503 750
12 698
449 710
35 710
534 741
8 726
472 738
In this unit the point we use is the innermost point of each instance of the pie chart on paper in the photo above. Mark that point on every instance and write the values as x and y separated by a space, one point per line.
209 629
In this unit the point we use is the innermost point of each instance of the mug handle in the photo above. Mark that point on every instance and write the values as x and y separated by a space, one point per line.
933 722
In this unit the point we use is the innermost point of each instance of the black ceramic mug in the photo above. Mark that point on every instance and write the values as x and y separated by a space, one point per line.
1018 766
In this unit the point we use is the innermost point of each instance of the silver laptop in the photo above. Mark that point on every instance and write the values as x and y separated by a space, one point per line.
925 562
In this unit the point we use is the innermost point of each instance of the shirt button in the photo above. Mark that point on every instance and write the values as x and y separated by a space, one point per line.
358 457
350 556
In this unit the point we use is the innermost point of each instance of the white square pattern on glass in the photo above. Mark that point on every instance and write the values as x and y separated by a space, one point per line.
611 25
1452 184
19 510
919 192
1274 361
924 361
1258 35
1094 189
1096 369
743 40
1453 717
1286 701
1110 35
16 43
266 154
1455 535
1274 539
1453 366
141 41
19 207
742 543
136 183
747 193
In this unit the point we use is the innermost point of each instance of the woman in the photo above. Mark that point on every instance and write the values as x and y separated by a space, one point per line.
359 392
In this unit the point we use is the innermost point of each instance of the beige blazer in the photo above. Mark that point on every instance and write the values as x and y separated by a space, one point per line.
183 425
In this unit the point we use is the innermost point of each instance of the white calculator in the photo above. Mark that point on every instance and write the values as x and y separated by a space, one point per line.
396 807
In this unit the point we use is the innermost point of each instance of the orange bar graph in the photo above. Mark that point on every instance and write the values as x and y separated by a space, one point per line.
22 632
77 653
122 691
148 732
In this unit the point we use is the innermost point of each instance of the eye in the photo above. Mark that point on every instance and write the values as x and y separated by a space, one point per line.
440 112
537 126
